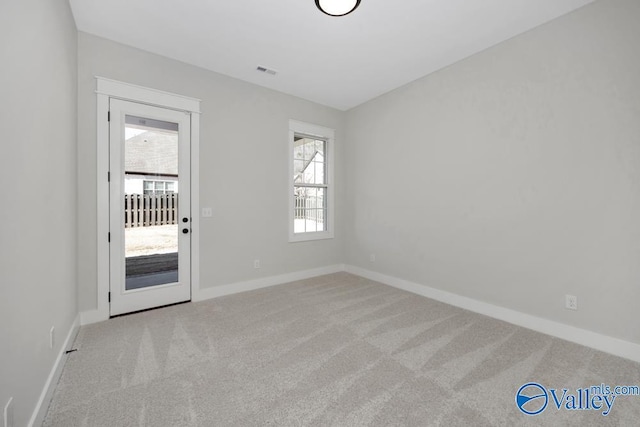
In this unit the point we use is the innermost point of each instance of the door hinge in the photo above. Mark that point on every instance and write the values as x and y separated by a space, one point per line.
109 237
108 176
108 116
109 296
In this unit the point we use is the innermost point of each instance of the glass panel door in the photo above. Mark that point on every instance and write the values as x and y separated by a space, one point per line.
149 207
150 202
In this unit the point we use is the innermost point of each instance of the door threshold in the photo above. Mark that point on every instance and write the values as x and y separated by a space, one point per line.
149 309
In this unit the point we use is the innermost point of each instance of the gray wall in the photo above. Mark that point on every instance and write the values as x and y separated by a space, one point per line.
243 166
38 175
512 177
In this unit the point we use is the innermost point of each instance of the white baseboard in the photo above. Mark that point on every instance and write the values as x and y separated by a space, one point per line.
607 344
250 285
41 408
92 316
615 346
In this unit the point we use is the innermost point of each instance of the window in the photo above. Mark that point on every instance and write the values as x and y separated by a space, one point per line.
311 186
159 187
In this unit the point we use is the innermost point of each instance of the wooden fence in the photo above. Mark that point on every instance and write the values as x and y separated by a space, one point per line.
147 210
162 209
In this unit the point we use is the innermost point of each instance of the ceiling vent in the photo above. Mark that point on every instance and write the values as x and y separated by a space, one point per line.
266 70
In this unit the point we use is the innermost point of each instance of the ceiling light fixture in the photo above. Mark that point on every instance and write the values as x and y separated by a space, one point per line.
337 7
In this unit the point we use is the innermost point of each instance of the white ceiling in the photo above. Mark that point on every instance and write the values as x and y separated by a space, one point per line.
339 62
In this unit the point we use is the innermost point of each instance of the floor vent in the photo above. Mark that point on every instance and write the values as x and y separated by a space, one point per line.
266 70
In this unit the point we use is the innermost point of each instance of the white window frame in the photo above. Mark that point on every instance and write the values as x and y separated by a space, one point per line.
328 135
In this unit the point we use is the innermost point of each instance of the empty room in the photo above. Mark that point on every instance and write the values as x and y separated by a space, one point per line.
320 213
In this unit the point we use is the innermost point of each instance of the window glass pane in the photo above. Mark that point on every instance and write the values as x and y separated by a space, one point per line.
319 173
308 161
320 210
309 209
320 198
298 150
310 204
309 149
310 223
148 185
298 166
298 211
310 173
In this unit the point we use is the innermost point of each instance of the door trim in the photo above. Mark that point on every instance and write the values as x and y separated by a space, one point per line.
106 89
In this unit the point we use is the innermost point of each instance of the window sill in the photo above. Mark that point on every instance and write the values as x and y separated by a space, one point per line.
306 237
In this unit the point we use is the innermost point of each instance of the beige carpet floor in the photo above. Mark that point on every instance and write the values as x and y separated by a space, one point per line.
336 350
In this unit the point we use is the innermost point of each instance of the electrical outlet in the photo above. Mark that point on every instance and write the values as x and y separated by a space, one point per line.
52 337
256 263
8 413
571 302
207 212
372 258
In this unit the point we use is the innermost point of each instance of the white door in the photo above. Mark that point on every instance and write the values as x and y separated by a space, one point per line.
149 218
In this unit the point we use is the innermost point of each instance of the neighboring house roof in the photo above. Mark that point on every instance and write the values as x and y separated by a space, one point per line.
152 153
307 174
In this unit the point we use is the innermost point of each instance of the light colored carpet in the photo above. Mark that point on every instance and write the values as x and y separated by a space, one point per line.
336 350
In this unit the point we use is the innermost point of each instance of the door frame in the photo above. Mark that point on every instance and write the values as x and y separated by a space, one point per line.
107 89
